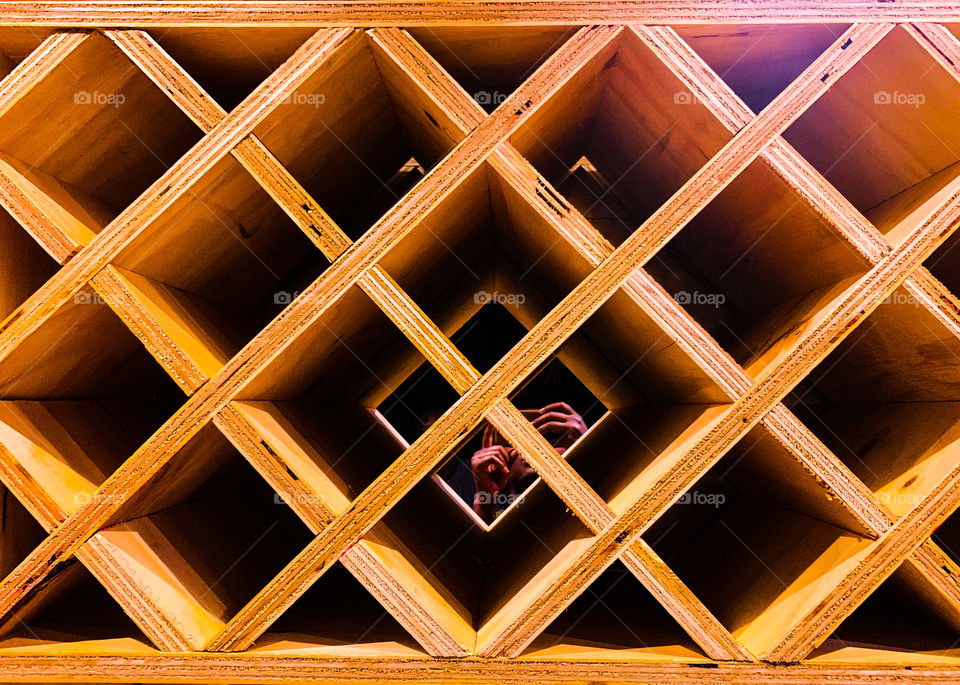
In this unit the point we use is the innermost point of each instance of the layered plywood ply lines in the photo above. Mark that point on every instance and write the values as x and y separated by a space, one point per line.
267 272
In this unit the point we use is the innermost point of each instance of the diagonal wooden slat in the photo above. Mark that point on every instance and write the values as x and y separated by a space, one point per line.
376 283
914 528
165 627
62 234
869 511
443 636
934 221
588 506
863 236
429 616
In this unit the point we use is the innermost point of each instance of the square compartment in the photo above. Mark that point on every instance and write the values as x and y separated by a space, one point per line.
759 61
759 541
221 262
352 135
886 128
79 396
94 134
490 63
615 150
756 265
886 401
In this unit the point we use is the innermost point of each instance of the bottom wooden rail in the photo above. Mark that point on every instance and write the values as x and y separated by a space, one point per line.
264 667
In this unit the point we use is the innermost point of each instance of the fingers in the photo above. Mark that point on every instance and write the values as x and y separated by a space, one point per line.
557 422
490 436
551 417
558 406
557 428
491 460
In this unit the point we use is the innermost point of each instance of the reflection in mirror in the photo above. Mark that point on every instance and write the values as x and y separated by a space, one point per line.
487 475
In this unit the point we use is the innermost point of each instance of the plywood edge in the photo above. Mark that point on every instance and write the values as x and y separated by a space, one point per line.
177 334
61 233
463 12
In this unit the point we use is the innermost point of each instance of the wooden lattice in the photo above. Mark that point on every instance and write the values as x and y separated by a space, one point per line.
231 231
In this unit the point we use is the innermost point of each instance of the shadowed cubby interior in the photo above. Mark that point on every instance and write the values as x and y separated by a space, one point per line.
16 44
756 265
314 408
657 396
759 61
19 532
481 573
338 610
900 621
204 535
26 265
222 261
947 537
489 63
489 334
944 263
615 617
230 63
758 540
885 133
358 134
886 401
615 151
80 395
92 135
76 614
483 243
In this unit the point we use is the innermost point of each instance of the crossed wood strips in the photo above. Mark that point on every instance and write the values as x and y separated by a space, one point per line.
98 446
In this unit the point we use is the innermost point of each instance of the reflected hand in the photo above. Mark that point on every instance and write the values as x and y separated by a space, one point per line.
491 468
560 424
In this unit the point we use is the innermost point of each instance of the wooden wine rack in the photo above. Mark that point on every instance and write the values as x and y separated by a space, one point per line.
231 230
